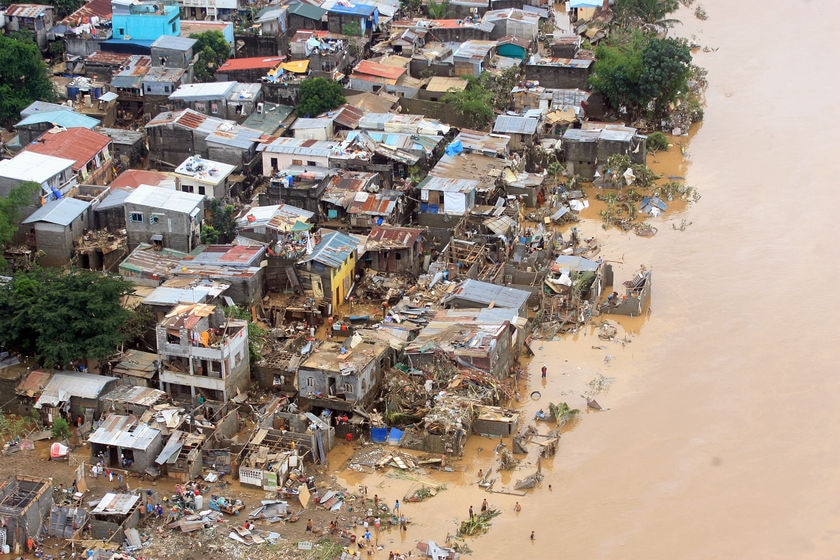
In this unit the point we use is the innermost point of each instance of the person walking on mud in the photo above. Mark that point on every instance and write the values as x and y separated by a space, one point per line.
544 370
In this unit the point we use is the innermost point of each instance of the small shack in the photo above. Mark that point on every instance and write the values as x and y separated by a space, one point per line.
74 394
494 421
123 442
113 515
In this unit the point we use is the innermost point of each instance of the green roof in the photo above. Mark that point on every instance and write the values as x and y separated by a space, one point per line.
306 10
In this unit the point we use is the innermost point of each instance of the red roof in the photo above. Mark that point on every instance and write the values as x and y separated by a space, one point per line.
135 177
379 70
98 8
79 144
251 63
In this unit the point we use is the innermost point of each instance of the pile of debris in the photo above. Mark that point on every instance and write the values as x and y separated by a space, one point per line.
381 457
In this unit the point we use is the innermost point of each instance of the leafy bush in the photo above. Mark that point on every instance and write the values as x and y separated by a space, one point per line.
656 141
60 429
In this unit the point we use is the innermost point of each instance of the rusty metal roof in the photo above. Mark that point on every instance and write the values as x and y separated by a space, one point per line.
135 394
116 504
348 115
97 8
382 238
374 204
333 250
27 10
78 144
33 384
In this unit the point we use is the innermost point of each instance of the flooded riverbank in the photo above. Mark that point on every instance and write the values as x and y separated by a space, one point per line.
721 422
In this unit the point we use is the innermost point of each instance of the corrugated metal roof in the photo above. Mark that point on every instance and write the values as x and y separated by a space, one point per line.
280 217
250 63
229 255
27 10
135 394
304 123
34 383
78 143
136 363
115 504
116 430
485 293
31 166
98 8
447 184
61 212
306 10
379 70
560 62
333 250
349 116
42 107
299 146
236 136
67 119
174 43
474 49
64 386
203 91
357 9
574 262
150 260
382 203
382 238
506 124
157 197
135 177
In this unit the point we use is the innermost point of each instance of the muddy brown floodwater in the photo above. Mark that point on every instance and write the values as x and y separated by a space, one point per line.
721 436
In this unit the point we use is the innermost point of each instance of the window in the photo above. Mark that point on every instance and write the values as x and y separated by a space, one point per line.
312 163
166 89
148 89
201 190
136 217
154 218
348 388
297 162
310 381
187 188
214 107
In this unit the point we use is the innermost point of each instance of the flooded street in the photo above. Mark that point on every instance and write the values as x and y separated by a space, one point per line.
720 438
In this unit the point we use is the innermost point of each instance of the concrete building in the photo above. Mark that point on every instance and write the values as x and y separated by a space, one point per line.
144 20
163 217
202 353
54 174
204 177
37 18
283 153
58 225
74 393
92 153
227 100
124 443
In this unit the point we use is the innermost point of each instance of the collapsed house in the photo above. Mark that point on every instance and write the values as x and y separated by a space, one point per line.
24 501
113 514
74 394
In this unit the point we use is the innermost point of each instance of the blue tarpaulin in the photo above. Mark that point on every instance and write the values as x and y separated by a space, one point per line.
378 435
454 148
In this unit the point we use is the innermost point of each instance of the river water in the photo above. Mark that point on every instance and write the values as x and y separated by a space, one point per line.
722 429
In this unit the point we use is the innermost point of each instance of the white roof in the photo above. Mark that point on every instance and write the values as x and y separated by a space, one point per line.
63 386
157 197
202 90
205 170
32 166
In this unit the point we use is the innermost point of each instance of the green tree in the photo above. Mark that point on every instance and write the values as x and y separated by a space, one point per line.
318 95
23 78
220 226
64 8
63 316
437 10
60 429
645 74
645 14
10 213
474 104
213 50
352 29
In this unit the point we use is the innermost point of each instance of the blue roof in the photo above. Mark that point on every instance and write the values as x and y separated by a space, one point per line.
67 119
356 9
61 212
333 250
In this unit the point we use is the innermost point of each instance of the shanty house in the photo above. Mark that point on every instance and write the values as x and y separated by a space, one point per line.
24 501
113 515
522 130
137 368
471 58
123 443
327 273
586 148
341 378
372 209
283 153
559 73
341 14
273 223
238 266
37 18
33 126
91 152
439 195
202 353
74 393
58 225
205 177
164 217
132 400
513 22
394 249
484 347
54 174
303 15
472 294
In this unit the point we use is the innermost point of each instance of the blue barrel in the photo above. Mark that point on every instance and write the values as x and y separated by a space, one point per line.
72 92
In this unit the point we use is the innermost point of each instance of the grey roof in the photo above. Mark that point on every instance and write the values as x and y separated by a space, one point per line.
158 197
115 199
305 123
114 431
574 262
306 10
174 43
61 212
115 504
515 125
121 136
63 386
236 137
269 120
299 146
205 91
135 394
485 293
43 107
164 295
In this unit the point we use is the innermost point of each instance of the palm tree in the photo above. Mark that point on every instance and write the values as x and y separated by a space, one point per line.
647 14
563 414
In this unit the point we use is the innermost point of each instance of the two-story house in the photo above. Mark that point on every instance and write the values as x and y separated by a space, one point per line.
163 217
145 20
91 152
37 18
202 353
327 272
54 174
204 176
